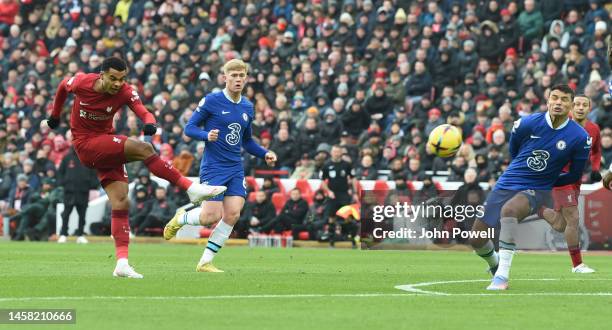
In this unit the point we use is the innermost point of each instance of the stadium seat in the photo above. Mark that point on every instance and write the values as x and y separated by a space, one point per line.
304 235
251 197
382 190
278 199
205 232
251 182
279 184
305 189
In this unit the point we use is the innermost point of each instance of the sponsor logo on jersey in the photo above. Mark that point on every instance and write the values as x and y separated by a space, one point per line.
537 162
93 116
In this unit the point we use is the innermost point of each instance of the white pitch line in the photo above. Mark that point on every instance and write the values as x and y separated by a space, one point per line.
413 288
411 291
255 296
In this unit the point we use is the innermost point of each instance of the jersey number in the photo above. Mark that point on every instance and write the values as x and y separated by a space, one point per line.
537 162
234 135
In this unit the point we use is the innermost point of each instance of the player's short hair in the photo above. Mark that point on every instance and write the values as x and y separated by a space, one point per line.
563 88
113 63
235 65
586 97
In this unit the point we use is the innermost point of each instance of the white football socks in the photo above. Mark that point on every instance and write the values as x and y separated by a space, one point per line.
192 217
507 246
216 241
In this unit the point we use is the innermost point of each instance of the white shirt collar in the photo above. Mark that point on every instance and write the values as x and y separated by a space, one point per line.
549 122
227 96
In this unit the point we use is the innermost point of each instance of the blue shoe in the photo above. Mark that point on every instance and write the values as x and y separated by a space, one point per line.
498 283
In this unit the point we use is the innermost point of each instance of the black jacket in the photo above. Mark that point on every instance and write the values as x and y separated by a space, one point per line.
75 177
296 210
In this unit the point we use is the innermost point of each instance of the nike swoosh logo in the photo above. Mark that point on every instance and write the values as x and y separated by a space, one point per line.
225 112
535 137
83 103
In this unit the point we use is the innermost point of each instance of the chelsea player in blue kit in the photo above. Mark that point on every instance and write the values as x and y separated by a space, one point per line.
540 146
226 117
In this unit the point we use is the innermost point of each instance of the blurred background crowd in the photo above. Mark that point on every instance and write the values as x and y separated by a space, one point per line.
374 77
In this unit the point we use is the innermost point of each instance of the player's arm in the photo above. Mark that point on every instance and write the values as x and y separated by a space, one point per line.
192 129
249 144
139 109
596 158
58 102
519 131
578 161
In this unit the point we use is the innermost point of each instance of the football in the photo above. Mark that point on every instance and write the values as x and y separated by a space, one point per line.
444 141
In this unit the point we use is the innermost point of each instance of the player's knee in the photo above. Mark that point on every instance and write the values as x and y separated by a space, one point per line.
146 150
121 203
571 217
231 217
509 211
209 217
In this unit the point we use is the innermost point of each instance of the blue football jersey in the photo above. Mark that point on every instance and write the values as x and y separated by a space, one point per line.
233 120
540 152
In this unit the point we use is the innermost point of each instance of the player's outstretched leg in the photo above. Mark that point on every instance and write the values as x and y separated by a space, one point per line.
120 227
554 218
138 150
572 237
230 208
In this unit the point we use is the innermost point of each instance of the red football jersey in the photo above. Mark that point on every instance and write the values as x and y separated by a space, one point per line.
594 155
93 112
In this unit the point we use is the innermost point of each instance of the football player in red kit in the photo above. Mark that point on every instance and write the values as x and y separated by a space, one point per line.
564 217
97 97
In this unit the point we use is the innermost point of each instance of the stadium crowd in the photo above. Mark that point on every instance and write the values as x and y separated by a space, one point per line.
374 77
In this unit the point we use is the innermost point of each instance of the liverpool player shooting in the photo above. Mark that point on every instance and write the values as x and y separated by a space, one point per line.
97 97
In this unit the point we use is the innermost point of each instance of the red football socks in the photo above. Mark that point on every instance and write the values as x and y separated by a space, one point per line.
120 228
165 171
576 255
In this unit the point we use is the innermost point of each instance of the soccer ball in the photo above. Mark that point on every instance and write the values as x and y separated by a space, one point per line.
444 141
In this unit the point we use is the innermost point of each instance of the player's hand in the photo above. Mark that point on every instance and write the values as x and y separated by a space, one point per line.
331 195
606 180
53 122
213 135
270 158
149 129
595 176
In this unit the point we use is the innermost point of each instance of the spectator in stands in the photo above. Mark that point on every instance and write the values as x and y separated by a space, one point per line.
261 213
308 137
315 219
144 178
20 194
38 215
530 22
434 120
414 171
366 170
509 31
293 213
140 207
161 211
285 147
77 180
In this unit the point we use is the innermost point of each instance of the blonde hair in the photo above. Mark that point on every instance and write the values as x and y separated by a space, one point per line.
235 65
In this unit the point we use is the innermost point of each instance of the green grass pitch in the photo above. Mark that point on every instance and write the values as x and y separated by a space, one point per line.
300 289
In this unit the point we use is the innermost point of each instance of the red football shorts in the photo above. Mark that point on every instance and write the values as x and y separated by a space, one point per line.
104 153
566 196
